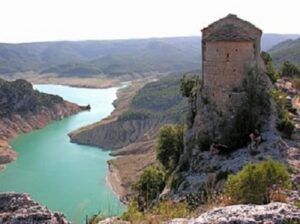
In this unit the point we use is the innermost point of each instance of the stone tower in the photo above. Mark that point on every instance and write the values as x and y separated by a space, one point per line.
230 47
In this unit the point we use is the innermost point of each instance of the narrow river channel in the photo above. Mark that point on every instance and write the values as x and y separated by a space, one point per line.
64 176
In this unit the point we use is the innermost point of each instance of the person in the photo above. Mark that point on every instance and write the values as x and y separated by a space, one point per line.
256 139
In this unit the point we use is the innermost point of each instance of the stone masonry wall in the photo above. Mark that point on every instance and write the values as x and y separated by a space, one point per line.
225 65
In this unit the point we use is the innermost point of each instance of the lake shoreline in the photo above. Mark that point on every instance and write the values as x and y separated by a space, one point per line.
38 147
114 182
80 82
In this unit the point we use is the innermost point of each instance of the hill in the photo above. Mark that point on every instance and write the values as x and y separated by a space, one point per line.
24 109
286 51
110 57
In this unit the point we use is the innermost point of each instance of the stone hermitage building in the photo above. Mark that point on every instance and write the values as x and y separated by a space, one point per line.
230 48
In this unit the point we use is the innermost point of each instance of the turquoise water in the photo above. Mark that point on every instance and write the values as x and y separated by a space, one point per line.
64 176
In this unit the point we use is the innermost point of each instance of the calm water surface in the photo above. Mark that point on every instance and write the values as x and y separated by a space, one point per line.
61 175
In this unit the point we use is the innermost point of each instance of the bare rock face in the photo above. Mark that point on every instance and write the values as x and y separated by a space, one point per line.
273 213
19 208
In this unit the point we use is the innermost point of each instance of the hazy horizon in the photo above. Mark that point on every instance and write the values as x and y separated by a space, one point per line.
65 20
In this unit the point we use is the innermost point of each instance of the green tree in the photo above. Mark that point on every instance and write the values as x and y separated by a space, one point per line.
290 70
149 186
188 85
253 183
170 146
266 57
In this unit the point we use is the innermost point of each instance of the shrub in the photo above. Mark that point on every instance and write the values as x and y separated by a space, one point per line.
95 218
188 85
133 214
285 125
271 71
149 187
170 146
251 114
290 70
252 184
166 210
163 211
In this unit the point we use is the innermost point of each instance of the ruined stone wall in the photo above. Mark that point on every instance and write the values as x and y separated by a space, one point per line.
225 65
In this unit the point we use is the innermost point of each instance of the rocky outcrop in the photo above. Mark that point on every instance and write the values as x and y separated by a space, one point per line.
273 213
19 208
23 109
116 134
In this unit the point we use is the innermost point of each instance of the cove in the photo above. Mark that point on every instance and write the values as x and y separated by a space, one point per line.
63 176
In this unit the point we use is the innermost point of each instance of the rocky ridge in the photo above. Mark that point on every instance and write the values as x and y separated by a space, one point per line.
23 110
19 208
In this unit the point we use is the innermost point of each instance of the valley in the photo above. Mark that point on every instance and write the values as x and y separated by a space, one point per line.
84 163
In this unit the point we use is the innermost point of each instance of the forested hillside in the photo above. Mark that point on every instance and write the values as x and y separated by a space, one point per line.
286 51
111 57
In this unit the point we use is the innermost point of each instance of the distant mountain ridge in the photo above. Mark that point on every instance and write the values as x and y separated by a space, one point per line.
110 57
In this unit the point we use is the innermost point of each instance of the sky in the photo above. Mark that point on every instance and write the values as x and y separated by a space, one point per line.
51 20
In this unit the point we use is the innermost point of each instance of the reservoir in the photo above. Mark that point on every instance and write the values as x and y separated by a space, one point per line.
61 175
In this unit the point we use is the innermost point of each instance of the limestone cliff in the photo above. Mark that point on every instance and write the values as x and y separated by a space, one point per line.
23 109
19 208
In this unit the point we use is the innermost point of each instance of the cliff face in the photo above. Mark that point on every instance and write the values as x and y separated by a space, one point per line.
23 109
19 208
117 134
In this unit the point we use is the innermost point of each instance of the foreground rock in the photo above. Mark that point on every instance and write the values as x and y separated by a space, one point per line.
19 208
113 220
273 213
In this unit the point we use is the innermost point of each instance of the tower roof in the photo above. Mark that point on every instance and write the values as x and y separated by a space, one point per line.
231 28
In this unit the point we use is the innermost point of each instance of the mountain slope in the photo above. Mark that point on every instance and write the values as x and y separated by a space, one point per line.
286 51
110 57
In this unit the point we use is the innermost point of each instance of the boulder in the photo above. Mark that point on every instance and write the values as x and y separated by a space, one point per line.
19 208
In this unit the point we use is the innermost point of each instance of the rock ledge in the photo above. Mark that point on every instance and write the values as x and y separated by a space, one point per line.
19 208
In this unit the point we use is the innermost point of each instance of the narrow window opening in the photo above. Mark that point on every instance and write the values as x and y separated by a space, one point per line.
229 96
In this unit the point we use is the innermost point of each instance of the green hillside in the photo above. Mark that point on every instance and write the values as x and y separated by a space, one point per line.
161 99
110 57
286 51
